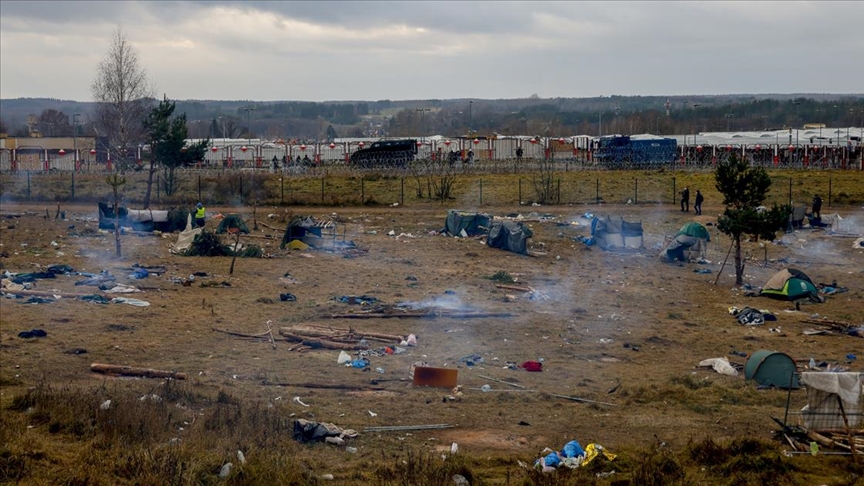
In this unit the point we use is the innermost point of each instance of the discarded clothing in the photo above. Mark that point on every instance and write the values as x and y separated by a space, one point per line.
95 298
21 278
120 289
34 333
135 302
287 297
353 299
96 281
37 300
60 269
752 317
472 360
532 366
720 365
139 273
309 431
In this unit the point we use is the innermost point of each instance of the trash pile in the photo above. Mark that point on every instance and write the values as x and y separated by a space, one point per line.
572 455
308 431
751 317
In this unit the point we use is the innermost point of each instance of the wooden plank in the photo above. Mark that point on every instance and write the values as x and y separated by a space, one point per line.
133 371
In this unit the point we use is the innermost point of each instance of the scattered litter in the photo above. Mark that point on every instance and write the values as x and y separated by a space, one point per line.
297 400
532 366
34 333
720 365
309 431
343 358
355 300
287 297
135 302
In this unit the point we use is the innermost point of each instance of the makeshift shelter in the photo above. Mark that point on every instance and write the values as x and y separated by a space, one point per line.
789 284
796 218
612 234
690 243
509 235
310 232
772 368
232 223
826 391
463 223
186 237
142 219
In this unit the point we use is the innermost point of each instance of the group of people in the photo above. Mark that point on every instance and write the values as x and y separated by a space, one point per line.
685 201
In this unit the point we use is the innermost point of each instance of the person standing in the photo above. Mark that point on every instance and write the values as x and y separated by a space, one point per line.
817 206
200 212
697 206
685 200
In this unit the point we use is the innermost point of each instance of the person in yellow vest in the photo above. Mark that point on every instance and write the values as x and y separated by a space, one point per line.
200 211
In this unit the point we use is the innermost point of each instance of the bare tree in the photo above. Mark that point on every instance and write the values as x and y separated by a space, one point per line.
122 93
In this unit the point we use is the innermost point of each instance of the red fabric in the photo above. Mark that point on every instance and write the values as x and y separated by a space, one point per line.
532 366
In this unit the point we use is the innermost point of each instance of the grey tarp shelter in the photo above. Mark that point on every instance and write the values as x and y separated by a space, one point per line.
772 368
612 234
509 235
472 223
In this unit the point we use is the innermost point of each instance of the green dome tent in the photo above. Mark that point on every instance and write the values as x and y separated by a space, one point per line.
690 243
789 284
772 368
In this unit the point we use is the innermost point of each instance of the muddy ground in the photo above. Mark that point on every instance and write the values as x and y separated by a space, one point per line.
624 329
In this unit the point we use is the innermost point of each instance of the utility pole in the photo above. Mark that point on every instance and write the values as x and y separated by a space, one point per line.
470 122
75 137
249 111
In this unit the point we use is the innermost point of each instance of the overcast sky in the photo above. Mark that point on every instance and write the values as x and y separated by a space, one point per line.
400 50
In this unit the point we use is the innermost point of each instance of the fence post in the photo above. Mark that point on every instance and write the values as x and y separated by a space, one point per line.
73 186
402 192
281 187
520 191
481 192
635 190
829 192
558 191
199 187
597 192
28 184
673 190
322 191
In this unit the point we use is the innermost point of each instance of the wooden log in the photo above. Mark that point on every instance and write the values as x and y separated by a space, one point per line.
514 287
343 332
110 369
821 439
319 343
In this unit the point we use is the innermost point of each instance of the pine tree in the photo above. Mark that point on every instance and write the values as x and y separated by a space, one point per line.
744 190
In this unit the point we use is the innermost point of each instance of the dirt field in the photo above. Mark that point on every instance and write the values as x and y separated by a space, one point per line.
624 329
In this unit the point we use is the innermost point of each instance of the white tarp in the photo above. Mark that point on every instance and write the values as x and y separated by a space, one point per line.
823 408
185 238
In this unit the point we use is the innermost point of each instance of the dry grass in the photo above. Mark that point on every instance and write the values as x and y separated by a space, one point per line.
53 430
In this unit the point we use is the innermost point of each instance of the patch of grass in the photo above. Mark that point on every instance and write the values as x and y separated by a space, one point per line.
690 381
502 277
411 466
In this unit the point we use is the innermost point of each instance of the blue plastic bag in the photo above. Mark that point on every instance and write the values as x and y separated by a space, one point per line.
552 460
572 449
359 363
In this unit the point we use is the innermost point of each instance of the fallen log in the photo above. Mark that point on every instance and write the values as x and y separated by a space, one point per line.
514 287
110 369
319 343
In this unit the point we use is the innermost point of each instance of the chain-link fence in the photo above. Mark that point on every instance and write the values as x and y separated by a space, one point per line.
471 187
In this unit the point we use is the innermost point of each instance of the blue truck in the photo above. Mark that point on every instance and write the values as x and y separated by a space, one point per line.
640 150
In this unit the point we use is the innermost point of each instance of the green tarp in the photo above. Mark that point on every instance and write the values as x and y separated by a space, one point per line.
510 236
472 224
695 230
232 222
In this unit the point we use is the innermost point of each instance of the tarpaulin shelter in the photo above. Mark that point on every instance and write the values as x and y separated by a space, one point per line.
313 233
690 243
471 224
825 392
142 219
186 237
509 235
232 223
611 234
789 284
772 368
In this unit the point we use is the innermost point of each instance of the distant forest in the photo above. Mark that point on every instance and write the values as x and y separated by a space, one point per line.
535 116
